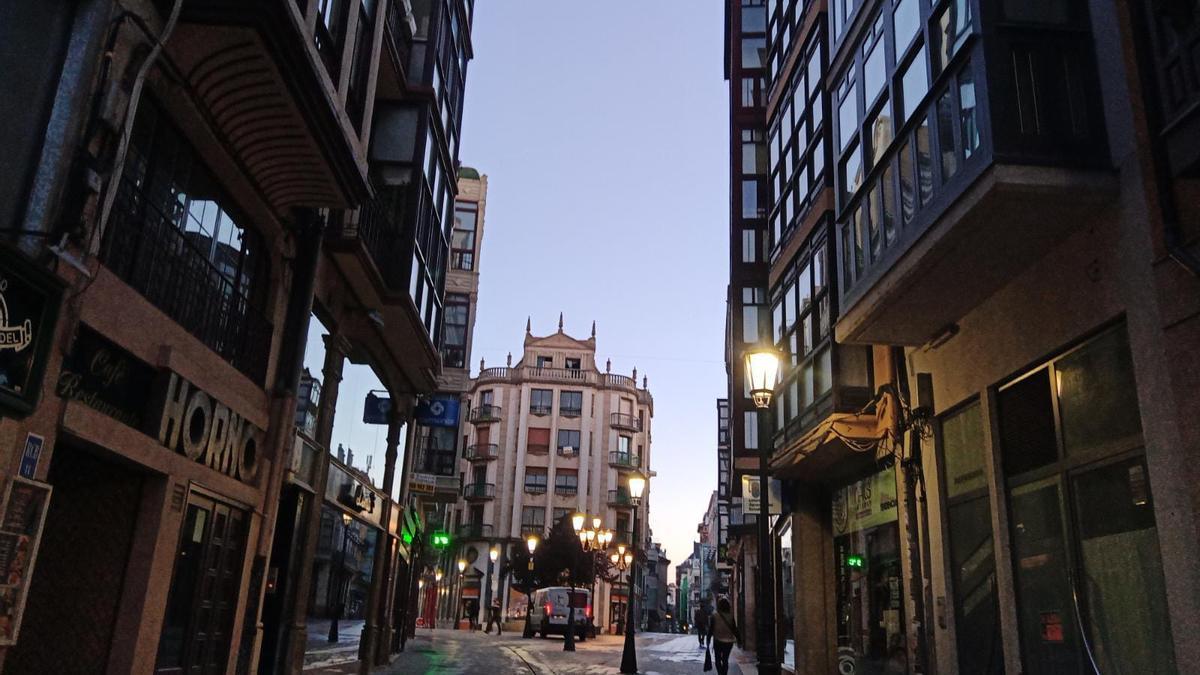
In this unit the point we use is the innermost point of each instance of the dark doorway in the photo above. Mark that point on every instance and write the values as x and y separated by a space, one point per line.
76 587
204 589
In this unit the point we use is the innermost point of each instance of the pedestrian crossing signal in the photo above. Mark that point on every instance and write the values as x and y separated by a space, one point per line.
854 561
441 540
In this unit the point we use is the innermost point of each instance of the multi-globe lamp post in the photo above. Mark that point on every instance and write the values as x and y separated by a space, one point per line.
594 540
637 486
762 372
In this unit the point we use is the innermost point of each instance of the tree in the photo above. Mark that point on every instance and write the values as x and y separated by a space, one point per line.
559 559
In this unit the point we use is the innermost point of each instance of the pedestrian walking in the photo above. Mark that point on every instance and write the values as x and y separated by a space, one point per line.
494 617
701 617
723 634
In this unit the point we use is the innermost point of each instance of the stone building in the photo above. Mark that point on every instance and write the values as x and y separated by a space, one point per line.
550 436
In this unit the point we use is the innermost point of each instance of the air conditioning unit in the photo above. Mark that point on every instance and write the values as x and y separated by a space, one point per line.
568 451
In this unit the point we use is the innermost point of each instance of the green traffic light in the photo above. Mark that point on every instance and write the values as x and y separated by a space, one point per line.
854 561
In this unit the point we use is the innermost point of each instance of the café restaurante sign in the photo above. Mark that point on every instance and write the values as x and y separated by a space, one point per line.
207 431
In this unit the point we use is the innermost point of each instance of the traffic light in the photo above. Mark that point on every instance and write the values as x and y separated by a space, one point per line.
441 540
854 561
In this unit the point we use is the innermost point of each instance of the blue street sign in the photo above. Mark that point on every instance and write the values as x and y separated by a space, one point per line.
438 411
376 409
31 455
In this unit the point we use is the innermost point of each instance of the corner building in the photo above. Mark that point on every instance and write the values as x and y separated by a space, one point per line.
550 436
1009 200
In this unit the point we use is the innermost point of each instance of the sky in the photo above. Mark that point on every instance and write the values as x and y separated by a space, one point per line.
603 130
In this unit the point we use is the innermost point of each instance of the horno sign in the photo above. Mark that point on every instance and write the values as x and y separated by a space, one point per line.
206 431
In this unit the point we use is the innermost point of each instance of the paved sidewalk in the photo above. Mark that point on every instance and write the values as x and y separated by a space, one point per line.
442 652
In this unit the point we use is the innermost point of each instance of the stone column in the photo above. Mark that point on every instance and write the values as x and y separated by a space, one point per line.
336 349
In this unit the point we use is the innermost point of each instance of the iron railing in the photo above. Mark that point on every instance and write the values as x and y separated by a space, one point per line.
481 452
147 250
475 531
619 498
479 491
625 421
624 460
484 414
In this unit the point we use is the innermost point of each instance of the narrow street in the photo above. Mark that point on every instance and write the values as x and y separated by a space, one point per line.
466 653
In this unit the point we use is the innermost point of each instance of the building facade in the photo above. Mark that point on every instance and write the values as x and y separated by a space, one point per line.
194 182
654 608
982 249
547 437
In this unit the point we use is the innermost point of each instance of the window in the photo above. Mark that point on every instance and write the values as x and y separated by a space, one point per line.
754 51
751 431
754 152
906 20
454 330
535 479
537 441
360 66
572 364
752 207
540 401
624 445
568 442
802 331
533 519
545 361
954 25
570 403
968 126
330 33
754 302
462 240
176 234
750 246
560 513
566 482
754 17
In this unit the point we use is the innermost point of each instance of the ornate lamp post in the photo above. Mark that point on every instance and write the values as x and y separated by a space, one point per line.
340 582
493 554
462 567
637 485
762 370
531 542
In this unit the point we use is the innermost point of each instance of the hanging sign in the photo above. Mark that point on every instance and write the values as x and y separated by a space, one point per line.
25 506
750 497
376 409
438 411
29 301
206 431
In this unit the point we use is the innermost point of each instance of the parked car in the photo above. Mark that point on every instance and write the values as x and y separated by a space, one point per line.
551 606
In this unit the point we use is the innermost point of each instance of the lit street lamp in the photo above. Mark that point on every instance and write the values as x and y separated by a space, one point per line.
340 582
762 371
531 542
493 554
637 485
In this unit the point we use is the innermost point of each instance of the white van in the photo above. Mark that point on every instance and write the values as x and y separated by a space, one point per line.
550 608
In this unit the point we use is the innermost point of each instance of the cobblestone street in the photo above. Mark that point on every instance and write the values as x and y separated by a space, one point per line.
448 651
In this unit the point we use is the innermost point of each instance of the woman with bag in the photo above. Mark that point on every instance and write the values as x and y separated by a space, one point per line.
722 634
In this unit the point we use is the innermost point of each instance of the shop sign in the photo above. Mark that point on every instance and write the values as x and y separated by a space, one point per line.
867 503
422 483
206 431
750 497
102 376
25 506
29 301
438 411
376 409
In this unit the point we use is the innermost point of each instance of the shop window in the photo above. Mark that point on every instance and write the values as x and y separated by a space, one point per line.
868 576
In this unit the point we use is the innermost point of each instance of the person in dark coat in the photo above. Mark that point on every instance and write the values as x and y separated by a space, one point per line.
701 617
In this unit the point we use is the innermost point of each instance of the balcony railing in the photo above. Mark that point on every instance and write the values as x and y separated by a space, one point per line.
625 422
475 531
485 414
535 489
619 499
539 409
472 491
382 238
481 452
144 247
624 460
566 490
568 375
533 528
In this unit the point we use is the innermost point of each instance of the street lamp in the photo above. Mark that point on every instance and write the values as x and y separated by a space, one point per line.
531 542
762 371
637 485
493 554
339 583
